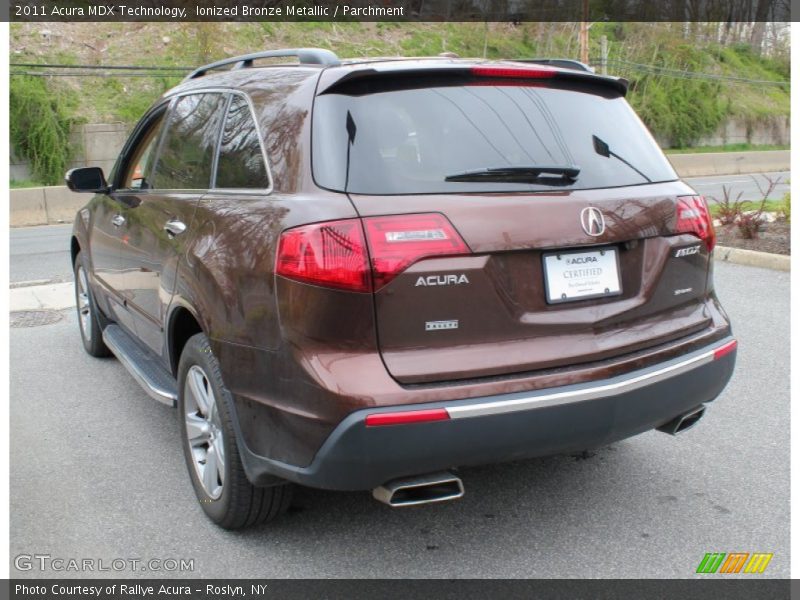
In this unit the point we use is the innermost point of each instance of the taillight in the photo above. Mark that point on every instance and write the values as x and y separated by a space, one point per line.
331 254
515 72
398 241
693 217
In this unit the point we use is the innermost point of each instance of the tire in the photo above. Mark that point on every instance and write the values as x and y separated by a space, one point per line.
204 410
90 321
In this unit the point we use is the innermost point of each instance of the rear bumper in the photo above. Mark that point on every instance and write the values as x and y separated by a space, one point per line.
508 427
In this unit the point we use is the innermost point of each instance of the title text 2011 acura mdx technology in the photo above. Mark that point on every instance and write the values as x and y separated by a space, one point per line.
361 275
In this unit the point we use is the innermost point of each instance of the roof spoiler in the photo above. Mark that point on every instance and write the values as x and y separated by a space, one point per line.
497 70
564 63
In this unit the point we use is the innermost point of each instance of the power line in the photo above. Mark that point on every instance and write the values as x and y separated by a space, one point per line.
104 67
682 74
57 74
107 70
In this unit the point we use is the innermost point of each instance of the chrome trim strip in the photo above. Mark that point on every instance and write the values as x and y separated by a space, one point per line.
581 395
152 389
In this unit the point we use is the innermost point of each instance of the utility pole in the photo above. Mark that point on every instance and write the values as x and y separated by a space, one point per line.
603 55
584 33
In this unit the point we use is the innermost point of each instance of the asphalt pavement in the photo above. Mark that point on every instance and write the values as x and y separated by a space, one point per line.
42 253
97 472
750 185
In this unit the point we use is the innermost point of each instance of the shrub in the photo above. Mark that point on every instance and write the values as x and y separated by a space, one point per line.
787 207
750 222
728 210
40 128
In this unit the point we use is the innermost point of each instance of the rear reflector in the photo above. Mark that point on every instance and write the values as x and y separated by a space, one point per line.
692 216
398 241
515 72
410 416
332 254
725 350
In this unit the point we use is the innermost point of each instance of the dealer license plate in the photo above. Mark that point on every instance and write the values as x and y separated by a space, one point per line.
581 275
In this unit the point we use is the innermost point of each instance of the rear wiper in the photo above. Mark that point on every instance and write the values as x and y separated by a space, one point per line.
603 149
533 174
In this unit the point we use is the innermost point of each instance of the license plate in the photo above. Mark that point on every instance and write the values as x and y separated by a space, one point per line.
570 276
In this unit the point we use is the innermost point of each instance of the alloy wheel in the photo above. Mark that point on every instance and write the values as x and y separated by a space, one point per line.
204 431
84 304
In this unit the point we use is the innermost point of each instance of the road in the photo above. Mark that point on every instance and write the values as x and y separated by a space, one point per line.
42 253
96 472
711 187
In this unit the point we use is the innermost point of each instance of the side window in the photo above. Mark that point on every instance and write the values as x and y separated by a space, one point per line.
241 161
184 161
140 162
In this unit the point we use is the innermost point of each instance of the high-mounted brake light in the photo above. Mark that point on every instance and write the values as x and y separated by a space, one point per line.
398 241
409 416
515 72
332 254
692 216
725 349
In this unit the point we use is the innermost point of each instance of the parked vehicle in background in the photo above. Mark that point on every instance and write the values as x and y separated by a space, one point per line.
360 275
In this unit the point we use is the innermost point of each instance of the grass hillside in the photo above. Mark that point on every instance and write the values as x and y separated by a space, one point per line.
677 108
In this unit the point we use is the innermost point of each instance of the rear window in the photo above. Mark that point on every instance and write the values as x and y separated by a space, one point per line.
408 141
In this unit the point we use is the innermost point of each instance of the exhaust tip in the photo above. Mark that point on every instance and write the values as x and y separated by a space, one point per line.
423 489
683 422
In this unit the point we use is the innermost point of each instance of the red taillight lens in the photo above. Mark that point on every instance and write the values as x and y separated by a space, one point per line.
331 254
725 350
515 72
409 416
398 241
692 216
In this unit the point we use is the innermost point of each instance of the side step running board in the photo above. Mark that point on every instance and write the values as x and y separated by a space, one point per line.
142 364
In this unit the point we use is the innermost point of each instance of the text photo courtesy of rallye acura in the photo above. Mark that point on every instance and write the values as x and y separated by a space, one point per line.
362 275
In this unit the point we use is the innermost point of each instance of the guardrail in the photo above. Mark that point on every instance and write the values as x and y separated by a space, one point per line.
56 204
44 205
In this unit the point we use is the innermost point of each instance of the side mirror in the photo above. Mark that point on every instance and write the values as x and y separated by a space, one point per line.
87 180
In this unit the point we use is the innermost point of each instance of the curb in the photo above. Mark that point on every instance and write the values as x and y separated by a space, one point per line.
751 258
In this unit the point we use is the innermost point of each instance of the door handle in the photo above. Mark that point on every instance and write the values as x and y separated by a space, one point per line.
174 227
118 221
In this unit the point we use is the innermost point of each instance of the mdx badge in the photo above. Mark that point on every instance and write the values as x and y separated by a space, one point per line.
432 280
592 221
687 251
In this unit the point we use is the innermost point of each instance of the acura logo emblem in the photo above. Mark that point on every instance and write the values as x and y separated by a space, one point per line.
592 221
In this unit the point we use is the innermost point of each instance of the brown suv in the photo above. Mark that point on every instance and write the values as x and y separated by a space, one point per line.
359 275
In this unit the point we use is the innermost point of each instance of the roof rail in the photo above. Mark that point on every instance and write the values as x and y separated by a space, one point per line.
306 56
564 63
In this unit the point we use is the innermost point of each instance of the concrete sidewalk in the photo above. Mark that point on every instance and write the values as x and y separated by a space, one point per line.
51 296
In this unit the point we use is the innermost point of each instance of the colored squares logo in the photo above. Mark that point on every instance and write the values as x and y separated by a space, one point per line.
734 562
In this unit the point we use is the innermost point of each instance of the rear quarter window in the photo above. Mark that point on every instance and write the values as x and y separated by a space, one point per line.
241 162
